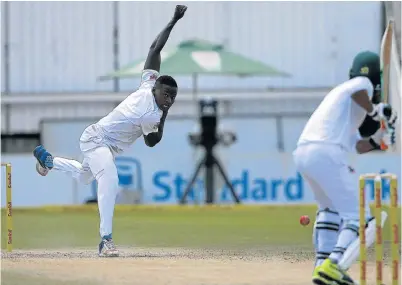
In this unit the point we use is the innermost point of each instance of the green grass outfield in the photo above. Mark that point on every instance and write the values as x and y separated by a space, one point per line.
163 226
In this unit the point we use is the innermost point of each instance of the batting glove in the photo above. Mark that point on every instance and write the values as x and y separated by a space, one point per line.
384 111
386 136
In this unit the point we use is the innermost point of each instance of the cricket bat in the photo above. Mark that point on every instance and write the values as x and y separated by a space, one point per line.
385 61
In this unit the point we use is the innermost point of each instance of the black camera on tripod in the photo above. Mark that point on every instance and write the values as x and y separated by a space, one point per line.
208 138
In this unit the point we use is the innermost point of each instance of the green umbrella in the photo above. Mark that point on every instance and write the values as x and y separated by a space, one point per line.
195 57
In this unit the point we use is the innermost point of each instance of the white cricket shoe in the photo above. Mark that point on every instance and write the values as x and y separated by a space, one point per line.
107 248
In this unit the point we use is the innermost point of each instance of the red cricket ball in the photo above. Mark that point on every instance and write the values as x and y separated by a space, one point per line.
304 220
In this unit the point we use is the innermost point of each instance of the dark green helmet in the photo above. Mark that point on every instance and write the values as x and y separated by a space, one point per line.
367 64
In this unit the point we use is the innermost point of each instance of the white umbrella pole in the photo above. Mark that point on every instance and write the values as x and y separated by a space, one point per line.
195 87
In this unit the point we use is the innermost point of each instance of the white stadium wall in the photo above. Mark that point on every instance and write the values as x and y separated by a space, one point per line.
259 178
59 46
65 46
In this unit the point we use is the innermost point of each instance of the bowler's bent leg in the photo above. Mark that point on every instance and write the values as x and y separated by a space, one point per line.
46 162
80 171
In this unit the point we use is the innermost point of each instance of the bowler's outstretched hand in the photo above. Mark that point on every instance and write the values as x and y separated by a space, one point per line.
179 12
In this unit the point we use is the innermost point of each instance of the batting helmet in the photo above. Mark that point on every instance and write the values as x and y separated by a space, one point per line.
367 64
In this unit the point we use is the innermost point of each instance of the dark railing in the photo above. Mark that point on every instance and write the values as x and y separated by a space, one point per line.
19 143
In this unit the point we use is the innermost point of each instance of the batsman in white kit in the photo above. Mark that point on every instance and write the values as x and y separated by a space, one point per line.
321 158
142 113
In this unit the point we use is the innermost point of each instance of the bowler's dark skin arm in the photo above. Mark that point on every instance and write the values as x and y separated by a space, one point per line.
153 139
154 55
154 62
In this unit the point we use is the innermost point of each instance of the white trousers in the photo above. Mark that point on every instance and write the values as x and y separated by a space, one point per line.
334 185
98 164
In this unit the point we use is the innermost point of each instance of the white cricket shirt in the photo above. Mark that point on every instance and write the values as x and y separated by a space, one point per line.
137 115
338 118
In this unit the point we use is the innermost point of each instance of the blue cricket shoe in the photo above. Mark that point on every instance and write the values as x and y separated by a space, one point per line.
44 158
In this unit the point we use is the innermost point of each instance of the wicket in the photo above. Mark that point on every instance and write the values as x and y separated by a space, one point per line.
9 211
393 217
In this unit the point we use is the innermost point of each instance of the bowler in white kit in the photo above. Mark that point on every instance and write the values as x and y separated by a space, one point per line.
142 113
329 136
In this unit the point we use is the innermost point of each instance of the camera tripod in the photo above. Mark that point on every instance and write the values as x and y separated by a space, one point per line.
209 161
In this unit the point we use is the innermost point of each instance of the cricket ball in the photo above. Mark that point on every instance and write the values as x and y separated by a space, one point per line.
304 220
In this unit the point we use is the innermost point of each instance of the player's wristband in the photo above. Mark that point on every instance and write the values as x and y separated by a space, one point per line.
374 144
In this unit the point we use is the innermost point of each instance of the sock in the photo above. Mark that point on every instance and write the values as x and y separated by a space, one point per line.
348 234
109 236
